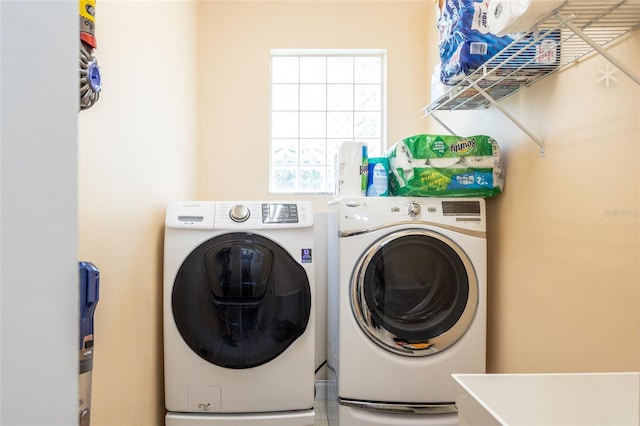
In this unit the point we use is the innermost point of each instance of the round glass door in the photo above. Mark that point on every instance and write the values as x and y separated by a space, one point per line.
414 292
239 300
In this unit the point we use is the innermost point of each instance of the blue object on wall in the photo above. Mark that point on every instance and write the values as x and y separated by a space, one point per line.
89 295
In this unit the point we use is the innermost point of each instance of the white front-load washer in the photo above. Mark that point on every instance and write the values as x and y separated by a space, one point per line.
239 330
407 305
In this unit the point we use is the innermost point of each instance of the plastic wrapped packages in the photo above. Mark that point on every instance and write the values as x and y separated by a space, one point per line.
462 47
513 16
467 41
445 166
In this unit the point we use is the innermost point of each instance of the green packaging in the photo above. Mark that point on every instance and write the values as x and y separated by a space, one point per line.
445 165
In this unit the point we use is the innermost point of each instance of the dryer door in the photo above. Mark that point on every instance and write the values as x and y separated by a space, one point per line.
414 292
239 300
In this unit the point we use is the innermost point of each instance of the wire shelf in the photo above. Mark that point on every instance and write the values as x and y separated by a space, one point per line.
561 38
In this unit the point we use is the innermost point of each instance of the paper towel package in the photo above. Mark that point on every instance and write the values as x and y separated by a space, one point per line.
352 169
515 16
466 41
445 166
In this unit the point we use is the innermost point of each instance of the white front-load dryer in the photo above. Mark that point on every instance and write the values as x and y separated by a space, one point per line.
239 330
407 304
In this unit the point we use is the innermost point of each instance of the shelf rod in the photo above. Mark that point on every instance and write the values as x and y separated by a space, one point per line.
510 117
622 67
443 125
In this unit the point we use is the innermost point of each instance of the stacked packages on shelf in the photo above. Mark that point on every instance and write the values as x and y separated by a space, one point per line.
472 32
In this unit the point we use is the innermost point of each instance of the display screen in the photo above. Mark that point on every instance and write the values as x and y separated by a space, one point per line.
461 208
279 213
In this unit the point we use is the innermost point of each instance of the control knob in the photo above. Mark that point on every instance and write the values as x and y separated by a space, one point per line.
239 213
413 209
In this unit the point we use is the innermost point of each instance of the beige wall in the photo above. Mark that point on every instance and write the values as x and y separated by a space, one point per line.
186 89
138 149
236 42
564 237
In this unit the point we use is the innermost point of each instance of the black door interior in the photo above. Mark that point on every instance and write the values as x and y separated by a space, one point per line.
416 287
239 300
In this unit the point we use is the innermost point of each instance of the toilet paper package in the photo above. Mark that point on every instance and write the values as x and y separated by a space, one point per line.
467 41
462 47
351 169
445 166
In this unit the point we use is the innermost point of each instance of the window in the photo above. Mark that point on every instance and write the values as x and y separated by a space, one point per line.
318 100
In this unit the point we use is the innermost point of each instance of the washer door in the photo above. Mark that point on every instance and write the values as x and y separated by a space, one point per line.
414 292
239 300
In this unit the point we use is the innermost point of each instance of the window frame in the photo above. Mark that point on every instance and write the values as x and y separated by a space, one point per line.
330 144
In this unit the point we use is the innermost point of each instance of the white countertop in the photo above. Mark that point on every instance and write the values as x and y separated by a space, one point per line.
581 399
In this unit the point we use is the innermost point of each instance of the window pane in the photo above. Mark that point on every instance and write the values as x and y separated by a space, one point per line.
313 97
312 179
284 69
340 125
367 97
284 125
339 97
368 69
284 179
367 124
340 70
313 124
312 151
313 69
284 151
284 97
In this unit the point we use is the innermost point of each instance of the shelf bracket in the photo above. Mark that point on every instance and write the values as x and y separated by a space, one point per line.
510 117
442 124
609 57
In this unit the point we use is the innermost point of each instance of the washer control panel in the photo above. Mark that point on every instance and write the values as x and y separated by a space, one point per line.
239 215
280 213
263 214
271 213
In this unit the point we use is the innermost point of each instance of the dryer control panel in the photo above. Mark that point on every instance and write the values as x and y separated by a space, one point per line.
367 213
